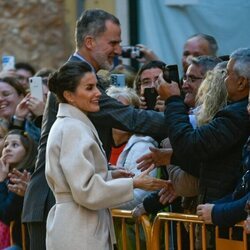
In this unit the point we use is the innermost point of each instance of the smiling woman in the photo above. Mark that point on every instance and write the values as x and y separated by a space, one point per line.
11 93
77 169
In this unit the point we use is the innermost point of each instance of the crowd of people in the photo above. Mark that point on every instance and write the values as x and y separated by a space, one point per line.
88 147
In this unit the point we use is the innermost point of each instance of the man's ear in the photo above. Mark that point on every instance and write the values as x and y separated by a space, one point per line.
68 96
89 42
243 83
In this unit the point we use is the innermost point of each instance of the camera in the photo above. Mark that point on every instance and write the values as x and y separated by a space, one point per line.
170 73
131 52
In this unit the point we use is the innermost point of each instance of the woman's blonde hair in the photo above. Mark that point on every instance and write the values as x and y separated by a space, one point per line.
211 96
125 92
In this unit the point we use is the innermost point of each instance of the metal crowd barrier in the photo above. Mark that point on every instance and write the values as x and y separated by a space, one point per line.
158 234
143 221
191 221
23 234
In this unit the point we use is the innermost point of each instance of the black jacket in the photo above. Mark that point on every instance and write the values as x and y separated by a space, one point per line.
211 152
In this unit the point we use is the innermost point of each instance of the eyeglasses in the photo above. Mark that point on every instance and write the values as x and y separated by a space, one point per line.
191 78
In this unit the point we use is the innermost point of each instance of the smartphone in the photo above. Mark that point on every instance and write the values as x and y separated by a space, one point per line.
150 95
117 80
170 73
8 63
36 87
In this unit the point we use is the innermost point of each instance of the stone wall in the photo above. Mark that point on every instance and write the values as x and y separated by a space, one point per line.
35 31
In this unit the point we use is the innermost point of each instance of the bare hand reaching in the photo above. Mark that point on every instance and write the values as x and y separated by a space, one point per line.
121 173
157 156
148 54
167 194
146 182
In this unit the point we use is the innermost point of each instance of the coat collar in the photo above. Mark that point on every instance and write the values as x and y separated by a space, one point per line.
67 110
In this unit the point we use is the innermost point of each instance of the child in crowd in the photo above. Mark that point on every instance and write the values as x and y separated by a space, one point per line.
19 154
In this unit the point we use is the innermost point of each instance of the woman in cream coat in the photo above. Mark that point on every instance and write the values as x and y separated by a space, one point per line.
76 168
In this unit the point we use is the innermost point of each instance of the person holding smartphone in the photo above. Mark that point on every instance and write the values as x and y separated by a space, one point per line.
145 85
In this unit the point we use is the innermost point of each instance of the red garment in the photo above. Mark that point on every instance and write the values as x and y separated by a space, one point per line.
4 236
115 152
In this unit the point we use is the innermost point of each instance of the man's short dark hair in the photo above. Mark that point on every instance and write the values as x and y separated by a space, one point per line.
92 22
25 66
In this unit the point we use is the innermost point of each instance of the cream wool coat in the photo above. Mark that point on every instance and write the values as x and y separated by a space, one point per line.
76 171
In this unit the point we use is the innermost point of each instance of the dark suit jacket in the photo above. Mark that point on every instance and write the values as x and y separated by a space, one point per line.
38 197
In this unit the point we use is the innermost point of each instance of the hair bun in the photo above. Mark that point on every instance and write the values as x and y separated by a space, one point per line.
53 82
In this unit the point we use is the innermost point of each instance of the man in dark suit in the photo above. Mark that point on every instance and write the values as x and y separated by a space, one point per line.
98 37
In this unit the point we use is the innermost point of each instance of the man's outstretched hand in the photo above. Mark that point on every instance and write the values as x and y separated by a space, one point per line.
157 156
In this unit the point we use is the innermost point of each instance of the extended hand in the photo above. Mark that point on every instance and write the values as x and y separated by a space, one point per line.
146 182
148 54
157 156
121 173
167 194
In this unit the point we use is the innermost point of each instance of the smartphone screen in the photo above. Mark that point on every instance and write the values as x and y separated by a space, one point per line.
150 95
36 87
8 63
171 73
117 80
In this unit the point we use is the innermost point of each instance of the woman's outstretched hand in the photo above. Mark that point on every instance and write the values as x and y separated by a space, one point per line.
146 182
121 173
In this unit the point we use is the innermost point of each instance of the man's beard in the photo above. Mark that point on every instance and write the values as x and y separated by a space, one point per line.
103 62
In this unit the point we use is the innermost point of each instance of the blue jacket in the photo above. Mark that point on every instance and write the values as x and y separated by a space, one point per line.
227 212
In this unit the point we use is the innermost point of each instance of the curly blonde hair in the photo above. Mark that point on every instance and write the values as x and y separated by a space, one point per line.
211 96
